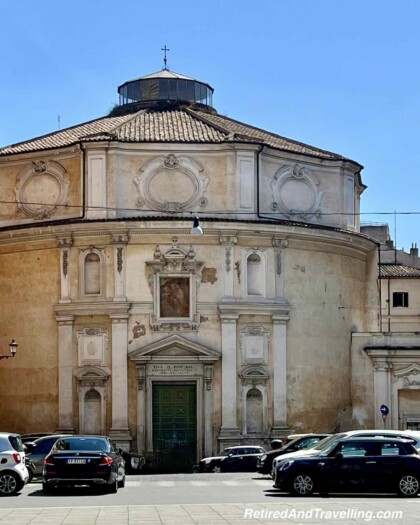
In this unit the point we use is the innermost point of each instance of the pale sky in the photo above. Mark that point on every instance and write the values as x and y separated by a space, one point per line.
340 75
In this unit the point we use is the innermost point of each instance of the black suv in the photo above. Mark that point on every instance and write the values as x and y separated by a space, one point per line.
380 465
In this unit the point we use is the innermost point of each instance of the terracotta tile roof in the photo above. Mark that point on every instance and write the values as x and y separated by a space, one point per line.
400 271
175 125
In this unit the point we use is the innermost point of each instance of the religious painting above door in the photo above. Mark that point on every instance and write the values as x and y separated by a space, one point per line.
174 277
174 297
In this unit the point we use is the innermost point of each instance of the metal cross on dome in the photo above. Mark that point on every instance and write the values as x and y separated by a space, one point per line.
165 60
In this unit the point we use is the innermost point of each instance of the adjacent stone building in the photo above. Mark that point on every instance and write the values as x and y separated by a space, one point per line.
172 343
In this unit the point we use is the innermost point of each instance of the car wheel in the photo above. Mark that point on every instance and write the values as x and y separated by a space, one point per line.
9 484
121 483
113 489
47 489
217 470
408 486
30 475
303 485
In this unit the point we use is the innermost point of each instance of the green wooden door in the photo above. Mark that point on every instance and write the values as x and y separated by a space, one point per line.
174 427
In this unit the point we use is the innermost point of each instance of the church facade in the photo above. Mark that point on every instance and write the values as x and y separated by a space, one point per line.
177 344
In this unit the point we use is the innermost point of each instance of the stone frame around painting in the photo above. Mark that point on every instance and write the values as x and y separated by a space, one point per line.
174 277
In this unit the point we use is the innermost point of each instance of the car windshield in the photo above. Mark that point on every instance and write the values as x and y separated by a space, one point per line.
82 443
325 443
225 452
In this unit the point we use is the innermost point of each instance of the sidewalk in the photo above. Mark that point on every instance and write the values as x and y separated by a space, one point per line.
307 512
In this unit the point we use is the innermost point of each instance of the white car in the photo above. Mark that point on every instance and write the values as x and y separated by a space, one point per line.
13 472
318 447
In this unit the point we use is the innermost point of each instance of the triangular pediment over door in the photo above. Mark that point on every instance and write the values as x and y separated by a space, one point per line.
174 348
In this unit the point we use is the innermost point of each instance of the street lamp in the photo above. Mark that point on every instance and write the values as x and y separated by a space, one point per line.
13 346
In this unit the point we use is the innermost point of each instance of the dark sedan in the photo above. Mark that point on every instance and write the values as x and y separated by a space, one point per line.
375 465
242 458
265 462
84 460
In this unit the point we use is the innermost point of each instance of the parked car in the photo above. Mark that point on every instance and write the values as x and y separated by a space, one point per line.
37 451
13 471
32 437
317 449
378 465
265 462
84 460
241 458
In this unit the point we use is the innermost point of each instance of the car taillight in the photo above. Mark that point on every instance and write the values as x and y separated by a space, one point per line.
48 461
106 461
17 457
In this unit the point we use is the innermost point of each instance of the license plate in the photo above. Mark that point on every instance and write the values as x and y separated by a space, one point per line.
76 461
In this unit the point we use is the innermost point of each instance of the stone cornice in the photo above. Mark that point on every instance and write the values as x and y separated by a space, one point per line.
278 312
92 308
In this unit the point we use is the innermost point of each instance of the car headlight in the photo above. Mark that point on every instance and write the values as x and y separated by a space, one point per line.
263 457
206 461
286 464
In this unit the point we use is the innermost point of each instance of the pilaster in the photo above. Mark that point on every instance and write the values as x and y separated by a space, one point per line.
279 374
120 240
65 374
120 432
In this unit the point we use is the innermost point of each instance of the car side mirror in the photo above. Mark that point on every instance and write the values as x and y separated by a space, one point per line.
339 456
230 454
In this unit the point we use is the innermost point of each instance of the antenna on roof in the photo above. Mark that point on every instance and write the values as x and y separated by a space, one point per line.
165 60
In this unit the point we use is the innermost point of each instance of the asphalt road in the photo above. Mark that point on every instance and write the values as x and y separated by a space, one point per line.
190 499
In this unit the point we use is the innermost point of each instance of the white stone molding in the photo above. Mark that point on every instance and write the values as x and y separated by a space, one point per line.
253 342
295 193
96 185
42 189
256 282
174 277
171 184
245 177
120 241
82 274
228 246
120 431
394 370
65 373
254 377
65 243
92 346
92 378
279 350
175 359
279 246
230 426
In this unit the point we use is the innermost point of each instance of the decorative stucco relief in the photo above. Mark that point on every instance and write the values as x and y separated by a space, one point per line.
41 188
295 193
171 184
410 375
174 277
92 343
254 344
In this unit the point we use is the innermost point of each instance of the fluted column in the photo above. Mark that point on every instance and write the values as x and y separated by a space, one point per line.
65 374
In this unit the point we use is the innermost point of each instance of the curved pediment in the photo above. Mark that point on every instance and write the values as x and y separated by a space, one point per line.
174 347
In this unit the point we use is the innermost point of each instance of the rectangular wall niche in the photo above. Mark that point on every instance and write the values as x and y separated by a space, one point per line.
92 344
254 345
